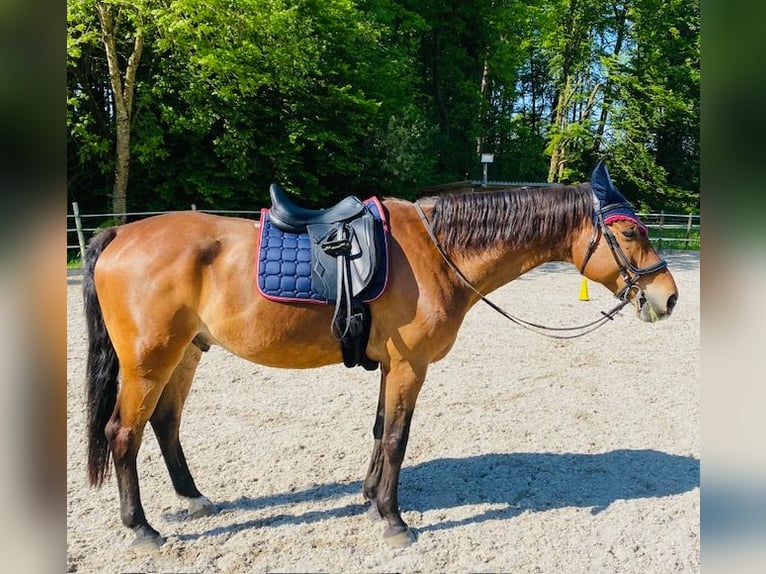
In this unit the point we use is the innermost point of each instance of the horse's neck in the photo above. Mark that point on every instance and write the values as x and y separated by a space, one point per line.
491 269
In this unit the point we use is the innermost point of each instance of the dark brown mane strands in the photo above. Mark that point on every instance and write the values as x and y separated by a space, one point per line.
543 216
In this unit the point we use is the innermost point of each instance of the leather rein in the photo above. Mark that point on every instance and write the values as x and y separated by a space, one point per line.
623 263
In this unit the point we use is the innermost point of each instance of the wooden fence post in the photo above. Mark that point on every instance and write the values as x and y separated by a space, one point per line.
662 221
78 224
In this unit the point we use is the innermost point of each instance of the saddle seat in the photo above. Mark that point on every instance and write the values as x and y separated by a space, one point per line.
291 218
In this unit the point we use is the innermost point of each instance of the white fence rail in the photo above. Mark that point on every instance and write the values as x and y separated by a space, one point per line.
664 228
673 229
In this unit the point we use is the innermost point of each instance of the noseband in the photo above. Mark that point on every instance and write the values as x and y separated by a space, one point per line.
629 272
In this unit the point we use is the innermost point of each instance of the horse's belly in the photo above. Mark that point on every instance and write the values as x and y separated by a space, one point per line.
292 356
283 336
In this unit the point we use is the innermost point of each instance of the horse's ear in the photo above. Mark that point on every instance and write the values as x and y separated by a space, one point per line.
603 188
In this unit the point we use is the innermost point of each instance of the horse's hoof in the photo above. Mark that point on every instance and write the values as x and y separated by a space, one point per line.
147 540
373 513
200 506
397 538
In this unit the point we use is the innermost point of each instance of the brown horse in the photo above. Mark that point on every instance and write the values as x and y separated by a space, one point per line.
161 290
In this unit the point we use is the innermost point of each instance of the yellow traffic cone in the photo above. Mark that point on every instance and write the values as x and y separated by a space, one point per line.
584 290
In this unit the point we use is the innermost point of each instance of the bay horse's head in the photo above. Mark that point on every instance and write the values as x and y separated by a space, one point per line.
616 252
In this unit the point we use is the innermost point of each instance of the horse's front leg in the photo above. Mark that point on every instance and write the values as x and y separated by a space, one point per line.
402 386
375 469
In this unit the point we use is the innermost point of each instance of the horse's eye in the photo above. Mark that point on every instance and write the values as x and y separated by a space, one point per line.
629 233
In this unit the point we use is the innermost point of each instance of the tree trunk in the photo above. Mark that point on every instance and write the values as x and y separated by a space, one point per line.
558 158
562 96
122 92
483 91
620 17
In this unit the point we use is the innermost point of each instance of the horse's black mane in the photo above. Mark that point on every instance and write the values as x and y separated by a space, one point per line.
540 216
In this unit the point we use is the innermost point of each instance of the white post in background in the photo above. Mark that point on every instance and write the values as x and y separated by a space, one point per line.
486 159
78 224
689 230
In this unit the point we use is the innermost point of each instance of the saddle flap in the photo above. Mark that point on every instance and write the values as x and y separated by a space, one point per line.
355 242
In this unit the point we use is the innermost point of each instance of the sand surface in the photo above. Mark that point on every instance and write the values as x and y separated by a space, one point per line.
526 454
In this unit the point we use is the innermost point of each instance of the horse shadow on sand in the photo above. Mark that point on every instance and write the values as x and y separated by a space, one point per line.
510 484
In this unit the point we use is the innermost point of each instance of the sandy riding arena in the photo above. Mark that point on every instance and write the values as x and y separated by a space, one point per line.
526 454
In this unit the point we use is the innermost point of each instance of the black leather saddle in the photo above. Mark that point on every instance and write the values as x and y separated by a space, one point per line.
287 216
346 251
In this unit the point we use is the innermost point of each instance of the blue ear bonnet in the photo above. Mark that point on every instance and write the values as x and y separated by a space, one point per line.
611 203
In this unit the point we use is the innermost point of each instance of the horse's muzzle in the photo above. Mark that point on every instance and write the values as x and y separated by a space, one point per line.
649 309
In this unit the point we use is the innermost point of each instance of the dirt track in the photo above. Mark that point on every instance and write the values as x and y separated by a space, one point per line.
527 454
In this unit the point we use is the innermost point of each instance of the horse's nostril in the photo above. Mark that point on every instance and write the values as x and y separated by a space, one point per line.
671 303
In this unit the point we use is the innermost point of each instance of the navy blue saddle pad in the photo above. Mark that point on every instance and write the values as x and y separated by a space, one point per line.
283 267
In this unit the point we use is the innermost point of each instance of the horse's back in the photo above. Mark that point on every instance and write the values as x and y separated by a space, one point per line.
184 275
161 268
174 252
172 235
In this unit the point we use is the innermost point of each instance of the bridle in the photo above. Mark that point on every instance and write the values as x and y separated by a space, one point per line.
623 262
600 228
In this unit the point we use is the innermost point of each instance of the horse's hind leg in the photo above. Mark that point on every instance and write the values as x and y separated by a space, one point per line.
147 364
166 422
138 397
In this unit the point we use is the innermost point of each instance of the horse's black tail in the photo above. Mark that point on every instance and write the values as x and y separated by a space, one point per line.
103 366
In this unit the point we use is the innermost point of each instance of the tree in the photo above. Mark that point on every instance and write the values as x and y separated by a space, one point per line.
209 101
655 145
577 85
620 30
123 87
314 95
90 136
94 113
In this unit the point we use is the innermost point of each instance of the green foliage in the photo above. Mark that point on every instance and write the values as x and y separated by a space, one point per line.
656 143
386 97
89 135
406 155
